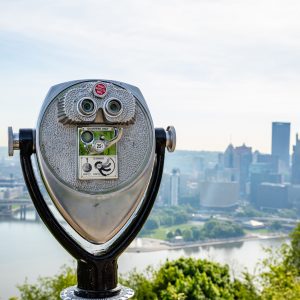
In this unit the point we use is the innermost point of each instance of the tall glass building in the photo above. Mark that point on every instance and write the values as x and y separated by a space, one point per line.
281 141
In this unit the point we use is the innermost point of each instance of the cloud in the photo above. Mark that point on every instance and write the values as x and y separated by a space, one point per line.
212 68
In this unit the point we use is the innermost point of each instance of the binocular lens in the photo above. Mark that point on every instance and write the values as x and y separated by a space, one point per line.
87 137
87 106
114 107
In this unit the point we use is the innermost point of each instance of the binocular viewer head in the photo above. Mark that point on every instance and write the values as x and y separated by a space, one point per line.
95 147
101 161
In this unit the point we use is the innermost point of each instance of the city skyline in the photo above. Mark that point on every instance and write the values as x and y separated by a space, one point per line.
268 151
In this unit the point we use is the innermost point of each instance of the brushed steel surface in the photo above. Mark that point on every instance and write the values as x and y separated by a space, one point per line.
99 211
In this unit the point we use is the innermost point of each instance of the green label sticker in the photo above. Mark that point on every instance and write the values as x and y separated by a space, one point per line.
97 153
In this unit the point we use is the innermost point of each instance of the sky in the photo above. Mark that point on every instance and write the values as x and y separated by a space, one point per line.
220 71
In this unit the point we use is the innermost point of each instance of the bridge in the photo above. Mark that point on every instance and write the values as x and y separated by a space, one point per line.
15 202
9 207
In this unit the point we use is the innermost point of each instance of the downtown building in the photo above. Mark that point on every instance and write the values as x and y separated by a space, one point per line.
268 189
219 195
295 178
281 144
264 169
294 191
234 166
174 187
269 173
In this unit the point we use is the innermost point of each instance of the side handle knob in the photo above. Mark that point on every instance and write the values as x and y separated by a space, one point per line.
171 138
13 141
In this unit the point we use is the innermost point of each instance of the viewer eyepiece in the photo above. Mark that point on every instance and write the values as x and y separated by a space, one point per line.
113 107
86 106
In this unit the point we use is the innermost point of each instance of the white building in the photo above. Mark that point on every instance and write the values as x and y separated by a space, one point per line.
175 181
2 193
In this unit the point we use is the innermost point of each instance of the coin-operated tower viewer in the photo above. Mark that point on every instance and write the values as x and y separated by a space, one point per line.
101 161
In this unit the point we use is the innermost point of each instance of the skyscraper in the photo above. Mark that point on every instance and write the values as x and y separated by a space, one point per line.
238 159
296 162
243 161
229 157
281 142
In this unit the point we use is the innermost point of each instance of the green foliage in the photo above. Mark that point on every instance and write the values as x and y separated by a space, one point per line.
185 279
170 235
169 216
140 283
151 224
187 235
196 234
47 288
212 229
288 213
281 280
245 290
293 255
180 218
189 279
221 229
178 231
165 216
276 225
108 135
167 220
195 279
249 212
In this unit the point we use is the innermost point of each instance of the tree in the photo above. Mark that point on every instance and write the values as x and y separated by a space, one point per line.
189 279
180 218
178 232
182 279
166 220
276 225
151 224
187 235
48 288
221 229
196 233
281 280
170 235
292 255
140 283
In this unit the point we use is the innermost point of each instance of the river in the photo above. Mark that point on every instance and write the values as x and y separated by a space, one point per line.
28 251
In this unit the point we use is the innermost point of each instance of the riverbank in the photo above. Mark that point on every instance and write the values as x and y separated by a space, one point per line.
152 245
